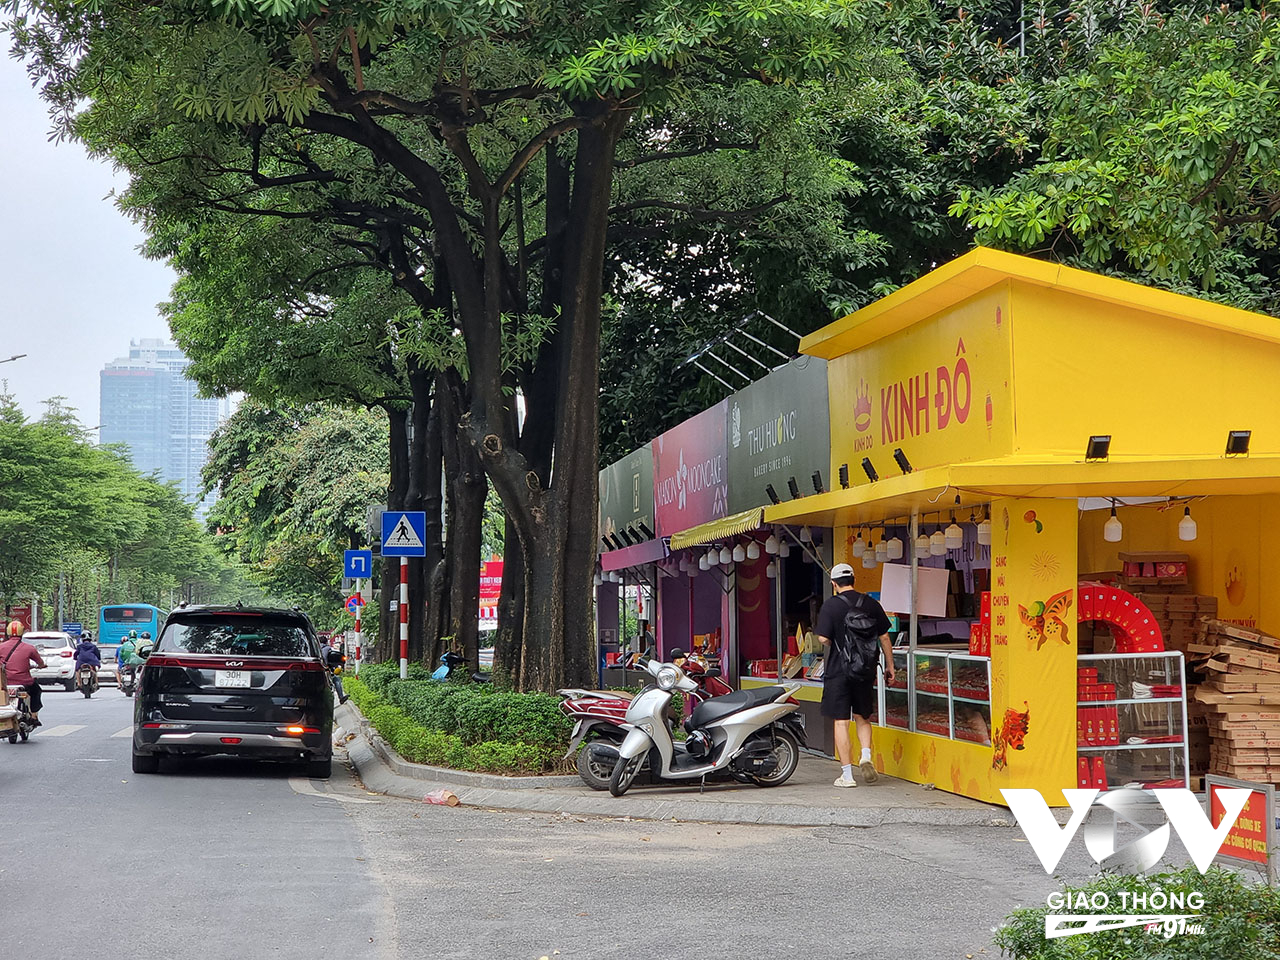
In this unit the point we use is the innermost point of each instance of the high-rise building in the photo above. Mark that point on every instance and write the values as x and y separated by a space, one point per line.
149 405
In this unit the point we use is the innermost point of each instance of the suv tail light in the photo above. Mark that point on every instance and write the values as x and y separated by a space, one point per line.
68 654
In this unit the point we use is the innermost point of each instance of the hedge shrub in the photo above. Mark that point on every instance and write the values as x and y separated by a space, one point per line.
465 725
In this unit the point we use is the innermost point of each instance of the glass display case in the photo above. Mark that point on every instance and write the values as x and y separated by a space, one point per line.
896 710
970 686
1131 720
939 692
932 712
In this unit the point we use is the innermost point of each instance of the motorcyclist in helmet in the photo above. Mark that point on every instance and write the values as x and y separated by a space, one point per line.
87 653
17 657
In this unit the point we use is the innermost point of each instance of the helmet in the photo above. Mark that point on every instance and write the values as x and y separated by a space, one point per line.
133 634
146 634
14 629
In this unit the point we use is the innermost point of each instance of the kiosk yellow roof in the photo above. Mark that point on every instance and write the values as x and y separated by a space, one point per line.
990 374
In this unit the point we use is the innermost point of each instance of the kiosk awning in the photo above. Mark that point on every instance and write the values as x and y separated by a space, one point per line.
981 481
713 530
651 551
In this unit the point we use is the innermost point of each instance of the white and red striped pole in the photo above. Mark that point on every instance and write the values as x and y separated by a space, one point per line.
404 618
359 597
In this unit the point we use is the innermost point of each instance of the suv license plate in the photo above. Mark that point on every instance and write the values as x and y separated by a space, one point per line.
231 678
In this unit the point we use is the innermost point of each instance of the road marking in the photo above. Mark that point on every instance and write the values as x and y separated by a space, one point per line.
93 760
126 732
62 730
307 789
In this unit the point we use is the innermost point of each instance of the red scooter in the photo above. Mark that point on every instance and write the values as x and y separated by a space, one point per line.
602 715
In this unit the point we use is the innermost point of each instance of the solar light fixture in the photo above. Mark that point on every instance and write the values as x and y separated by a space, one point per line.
901 460
1238 443
817 482
844 476
773 494
1099 448
794 488
869 469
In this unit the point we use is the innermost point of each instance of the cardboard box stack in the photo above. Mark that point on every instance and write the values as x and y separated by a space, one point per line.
1178 615
1241 699
1154 571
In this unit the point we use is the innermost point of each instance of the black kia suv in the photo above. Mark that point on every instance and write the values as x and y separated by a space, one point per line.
234 680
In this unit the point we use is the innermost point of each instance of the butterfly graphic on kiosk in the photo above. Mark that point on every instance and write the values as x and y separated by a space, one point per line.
1048 619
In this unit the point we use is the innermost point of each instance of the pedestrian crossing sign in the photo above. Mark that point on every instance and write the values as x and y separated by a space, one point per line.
404 533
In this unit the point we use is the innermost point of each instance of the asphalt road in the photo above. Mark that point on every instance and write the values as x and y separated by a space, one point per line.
223 858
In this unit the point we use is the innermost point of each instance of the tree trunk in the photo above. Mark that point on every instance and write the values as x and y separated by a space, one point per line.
415 499
508 643
436 568
467 492
388 647
560 542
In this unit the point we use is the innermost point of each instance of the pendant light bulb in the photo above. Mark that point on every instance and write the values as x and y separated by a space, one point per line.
806 535
984 530
771 544
882 552
726 555
771 571
922 545
859 545
753 550
1113 529
869 560
894 548
938 543
954 535
784 548
1187 525
702 563
739 553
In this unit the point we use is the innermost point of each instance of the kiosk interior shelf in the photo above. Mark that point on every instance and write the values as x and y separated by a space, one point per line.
1131 720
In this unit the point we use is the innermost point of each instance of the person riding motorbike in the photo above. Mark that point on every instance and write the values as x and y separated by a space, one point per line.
332 654
18 657
87 653
126 648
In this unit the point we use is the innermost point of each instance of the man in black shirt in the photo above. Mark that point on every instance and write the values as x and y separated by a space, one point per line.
850 625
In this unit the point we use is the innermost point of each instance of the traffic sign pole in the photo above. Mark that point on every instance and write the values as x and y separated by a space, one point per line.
404 618
359 587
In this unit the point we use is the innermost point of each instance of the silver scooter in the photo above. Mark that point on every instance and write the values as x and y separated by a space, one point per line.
752 736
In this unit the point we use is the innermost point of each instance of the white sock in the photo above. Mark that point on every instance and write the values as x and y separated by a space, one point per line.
866 755
848 771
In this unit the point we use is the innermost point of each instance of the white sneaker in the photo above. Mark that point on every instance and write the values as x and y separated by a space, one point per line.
842 781
869 774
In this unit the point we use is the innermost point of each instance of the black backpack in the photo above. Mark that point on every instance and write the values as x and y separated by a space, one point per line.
858 651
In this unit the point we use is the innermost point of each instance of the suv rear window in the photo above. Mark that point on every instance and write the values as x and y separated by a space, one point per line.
237 636
49 643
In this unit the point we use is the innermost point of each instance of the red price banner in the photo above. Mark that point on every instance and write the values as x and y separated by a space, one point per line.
1248 839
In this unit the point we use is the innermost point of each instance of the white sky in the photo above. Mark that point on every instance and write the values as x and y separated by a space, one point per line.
73 287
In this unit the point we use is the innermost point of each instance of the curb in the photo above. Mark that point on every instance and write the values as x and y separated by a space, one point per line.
380 769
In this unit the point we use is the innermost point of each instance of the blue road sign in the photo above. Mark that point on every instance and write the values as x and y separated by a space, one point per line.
357 563
73 627
404 533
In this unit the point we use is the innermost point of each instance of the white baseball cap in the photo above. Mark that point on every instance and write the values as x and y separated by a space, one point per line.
841 570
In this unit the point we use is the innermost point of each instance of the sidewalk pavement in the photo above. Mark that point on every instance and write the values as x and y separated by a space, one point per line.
808 799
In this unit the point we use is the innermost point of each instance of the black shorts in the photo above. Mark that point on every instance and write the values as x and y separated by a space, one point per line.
843 696
36 697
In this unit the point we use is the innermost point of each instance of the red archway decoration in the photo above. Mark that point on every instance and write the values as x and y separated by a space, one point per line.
1132 622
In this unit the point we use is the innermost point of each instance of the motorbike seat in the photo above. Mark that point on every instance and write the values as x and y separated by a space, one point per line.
717 708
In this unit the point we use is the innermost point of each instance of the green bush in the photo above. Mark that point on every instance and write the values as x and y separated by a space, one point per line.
465 726
1241 918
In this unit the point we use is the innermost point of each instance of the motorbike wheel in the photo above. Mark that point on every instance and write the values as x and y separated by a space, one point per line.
87 693
624 773
23 732
787 749
13 738
69 686
594 773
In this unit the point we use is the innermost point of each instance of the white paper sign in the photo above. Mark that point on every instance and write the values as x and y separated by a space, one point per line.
895 589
